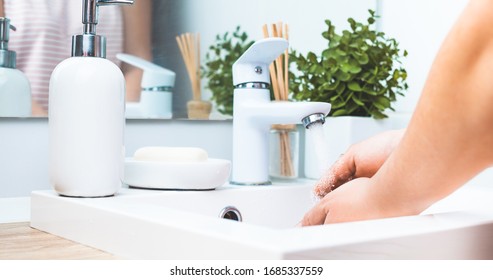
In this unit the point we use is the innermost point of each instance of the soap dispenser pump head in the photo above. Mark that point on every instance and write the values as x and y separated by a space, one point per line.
7 57
90 44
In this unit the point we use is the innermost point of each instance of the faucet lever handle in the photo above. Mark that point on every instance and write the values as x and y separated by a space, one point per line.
253 65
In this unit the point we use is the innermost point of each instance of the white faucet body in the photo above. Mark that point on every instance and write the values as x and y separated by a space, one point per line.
253 115
254 112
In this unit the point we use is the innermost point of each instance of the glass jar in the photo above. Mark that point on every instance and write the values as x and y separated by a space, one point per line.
284 151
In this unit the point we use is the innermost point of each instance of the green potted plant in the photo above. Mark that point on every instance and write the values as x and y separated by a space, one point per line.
360 74
218 67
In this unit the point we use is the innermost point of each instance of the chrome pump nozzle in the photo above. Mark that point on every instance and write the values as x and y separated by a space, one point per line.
7 57
90 44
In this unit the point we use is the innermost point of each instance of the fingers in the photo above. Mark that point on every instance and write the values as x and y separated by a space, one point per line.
340 172
317 215
350 202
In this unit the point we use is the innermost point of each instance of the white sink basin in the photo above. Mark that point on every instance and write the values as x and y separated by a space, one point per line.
144 224
279 207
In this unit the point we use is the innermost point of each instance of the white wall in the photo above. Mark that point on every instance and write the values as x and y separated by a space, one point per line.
420 26
305 18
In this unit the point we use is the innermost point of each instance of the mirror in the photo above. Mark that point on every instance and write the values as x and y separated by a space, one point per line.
212 17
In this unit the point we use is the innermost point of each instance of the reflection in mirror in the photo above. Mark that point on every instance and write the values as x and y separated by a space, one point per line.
148 30
43 39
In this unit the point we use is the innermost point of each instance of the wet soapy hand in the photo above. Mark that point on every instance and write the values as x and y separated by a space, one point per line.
351 202
361 160
344 190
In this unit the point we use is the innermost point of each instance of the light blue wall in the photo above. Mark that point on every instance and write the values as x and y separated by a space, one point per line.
24 146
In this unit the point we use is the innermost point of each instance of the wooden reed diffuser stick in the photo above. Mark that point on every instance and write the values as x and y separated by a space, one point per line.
286 62
279 75
189 45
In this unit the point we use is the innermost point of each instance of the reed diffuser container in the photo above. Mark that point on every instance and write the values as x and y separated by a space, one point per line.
189 45
284 152
199 109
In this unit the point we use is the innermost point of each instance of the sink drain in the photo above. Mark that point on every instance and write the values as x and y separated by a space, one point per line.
230 213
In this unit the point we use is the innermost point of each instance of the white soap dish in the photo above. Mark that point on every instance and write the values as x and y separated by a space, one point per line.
200 175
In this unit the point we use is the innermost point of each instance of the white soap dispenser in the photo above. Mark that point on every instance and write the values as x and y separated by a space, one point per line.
87 115
156 97
15 90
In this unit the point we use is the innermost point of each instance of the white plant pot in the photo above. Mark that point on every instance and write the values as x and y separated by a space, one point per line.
340 133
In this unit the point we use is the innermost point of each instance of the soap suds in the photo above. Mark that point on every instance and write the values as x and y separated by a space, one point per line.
315 198
331 180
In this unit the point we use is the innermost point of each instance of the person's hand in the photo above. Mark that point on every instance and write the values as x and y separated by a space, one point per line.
345 189
351 202
361 160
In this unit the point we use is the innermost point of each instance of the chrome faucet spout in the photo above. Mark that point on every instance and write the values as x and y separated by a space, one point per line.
313 119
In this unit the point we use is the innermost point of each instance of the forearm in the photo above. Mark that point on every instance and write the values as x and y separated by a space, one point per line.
450 137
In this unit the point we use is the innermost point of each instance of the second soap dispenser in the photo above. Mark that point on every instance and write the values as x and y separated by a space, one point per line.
87 115
15 90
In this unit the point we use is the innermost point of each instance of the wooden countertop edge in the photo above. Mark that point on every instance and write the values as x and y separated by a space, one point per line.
18 241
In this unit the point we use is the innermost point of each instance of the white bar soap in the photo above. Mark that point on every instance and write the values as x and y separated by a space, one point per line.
171 154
